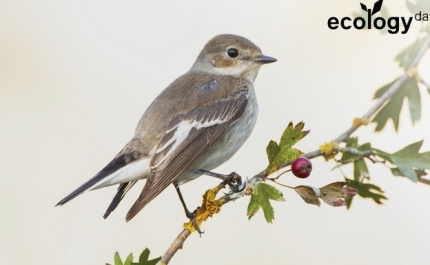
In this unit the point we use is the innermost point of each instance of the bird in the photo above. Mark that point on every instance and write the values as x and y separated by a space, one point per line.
197 123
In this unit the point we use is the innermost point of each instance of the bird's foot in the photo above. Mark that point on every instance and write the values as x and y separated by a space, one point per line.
233 180
192 217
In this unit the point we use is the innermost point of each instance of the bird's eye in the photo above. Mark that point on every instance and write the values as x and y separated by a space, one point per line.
232 53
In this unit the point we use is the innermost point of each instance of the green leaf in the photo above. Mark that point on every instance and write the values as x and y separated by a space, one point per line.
260 197
392 109
396 172
405 57
360 170
129 259
366 190
272 149
117 259
284 155
409 158
152 261
414 101
278 155
144 258
292 135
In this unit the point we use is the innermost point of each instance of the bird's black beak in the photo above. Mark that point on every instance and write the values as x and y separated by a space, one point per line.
263 59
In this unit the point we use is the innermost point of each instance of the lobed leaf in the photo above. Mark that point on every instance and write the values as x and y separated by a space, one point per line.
392 109
292 135
409 161
366 190
144 258
409 158
282 153
260 198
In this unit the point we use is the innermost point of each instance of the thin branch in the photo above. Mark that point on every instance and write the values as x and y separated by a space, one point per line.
176 245
424 181
180 239
354 151
283 185
427 85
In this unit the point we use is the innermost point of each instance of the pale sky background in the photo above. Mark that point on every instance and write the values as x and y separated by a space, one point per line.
75 77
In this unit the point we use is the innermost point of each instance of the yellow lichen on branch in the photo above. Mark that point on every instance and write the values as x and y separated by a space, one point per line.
357 122
328 150
210 206
413 73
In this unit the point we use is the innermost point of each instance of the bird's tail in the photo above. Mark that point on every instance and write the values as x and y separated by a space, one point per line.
122 190
92 183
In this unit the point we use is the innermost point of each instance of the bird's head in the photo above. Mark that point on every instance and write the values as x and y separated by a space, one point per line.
232 55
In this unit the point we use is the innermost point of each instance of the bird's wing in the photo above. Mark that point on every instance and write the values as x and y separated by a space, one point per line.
187 136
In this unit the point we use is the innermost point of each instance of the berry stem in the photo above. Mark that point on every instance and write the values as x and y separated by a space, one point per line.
283 185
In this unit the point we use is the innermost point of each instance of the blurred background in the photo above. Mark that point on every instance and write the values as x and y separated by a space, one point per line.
75 77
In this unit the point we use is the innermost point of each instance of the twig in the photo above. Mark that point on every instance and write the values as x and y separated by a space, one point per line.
176 245
367 154
424 181
283 185
179 241
354 151
427 85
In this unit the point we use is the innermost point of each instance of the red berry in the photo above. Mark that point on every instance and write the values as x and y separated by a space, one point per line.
301 167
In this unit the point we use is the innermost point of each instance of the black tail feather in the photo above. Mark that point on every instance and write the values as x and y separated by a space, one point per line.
113 166
122 190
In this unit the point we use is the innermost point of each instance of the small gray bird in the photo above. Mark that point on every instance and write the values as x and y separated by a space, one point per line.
198 122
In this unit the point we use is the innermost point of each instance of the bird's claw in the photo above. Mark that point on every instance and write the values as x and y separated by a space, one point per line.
192 217
234 181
